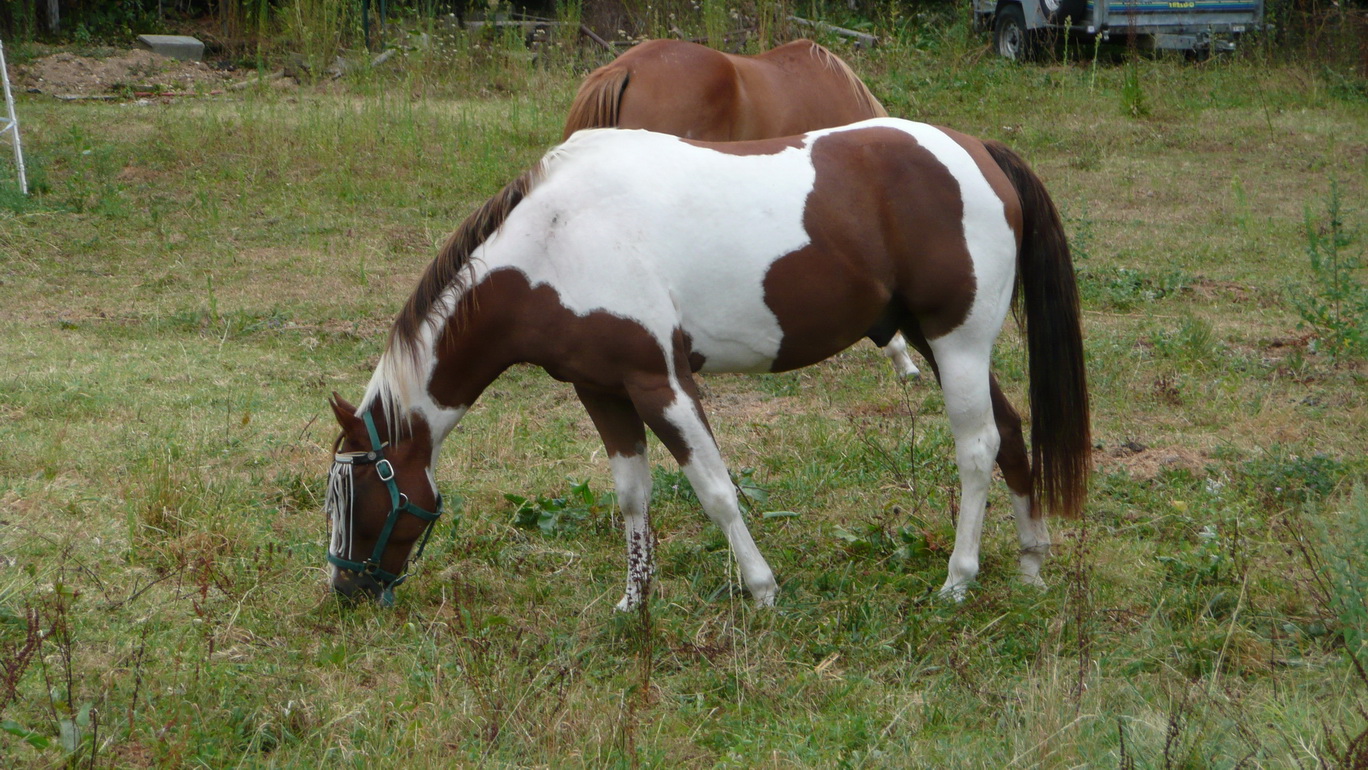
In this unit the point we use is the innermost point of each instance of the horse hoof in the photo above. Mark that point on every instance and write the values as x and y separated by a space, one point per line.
903 366
765 597
1032 580
954 593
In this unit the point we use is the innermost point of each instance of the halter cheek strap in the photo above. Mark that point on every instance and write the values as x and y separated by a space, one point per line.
399 503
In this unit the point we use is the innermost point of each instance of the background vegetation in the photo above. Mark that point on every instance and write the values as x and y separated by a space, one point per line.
192 277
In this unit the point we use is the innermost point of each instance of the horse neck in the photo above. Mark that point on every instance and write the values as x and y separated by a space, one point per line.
399 390
440 374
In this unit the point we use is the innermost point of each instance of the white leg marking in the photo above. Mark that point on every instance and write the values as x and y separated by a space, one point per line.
1034 537
896 350
708 474
964 378
632 477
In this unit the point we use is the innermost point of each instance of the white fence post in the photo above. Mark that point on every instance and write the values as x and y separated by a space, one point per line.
9 124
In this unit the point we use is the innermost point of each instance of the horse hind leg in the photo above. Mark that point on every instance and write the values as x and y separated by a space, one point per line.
961 361
624 436
896 350
885 334
1033 534
670 407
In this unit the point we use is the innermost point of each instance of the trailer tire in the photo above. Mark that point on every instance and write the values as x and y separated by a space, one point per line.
1011 39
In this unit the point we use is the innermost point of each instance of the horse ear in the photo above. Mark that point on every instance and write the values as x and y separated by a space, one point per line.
345 414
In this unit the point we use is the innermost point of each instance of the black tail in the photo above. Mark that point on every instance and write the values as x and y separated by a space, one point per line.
1061 439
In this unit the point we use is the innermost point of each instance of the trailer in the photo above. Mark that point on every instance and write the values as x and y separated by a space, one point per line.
1200 27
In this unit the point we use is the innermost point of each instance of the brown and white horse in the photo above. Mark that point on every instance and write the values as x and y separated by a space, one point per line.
627 261
690 90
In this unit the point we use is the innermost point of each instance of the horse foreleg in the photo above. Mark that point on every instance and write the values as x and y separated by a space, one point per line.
672 411
1032 532
624 436
965 383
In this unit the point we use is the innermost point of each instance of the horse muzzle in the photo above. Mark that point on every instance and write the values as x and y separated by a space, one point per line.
358 586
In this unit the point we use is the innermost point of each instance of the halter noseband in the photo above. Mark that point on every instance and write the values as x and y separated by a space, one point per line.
399 503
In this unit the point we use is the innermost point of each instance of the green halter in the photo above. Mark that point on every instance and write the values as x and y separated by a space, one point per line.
399 503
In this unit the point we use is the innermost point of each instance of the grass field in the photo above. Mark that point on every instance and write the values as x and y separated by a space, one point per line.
192 279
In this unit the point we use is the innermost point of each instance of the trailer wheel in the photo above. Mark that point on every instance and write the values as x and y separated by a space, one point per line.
1010 36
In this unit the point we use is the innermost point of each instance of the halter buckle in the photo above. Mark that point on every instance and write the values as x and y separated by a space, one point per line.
384 470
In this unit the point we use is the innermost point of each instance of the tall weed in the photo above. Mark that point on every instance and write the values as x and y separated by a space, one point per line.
1337 308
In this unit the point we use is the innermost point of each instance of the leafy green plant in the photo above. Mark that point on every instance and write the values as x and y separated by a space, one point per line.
1285 478
1337 308
904 544
565 515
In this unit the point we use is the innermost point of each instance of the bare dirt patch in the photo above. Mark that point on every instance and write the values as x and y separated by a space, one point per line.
1146 463
136 71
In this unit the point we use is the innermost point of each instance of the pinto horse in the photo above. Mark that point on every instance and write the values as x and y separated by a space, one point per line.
627 261
690 90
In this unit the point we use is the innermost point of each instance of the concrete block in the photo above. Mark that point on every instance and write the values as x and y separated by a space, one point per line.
181 47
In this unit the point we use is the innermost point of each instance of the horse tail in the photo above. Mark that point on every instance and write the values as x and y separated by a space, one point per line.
598 99
868 102
1061 443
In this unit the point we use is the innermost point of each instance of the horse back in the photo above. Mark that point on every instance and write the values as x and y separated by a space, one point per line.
692 91
668 86
800 87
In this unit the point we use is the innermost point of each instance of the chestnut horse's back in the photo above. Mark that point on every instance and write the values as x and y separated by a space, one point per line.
690 90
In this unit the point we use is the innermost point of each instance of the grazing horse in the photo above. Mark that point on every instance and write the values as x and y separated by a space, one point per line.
625 262
690 90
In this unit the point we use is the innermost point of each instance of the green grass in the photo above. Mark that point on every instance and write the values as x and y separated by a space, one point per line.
192 280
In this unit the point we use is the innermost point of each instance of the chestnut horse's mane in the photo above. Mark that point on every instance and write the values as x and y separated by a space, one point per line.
866 97
596 104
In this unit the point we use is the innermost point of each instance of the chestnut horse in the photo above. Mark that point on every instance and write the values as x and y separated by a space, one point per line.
690 90
627 261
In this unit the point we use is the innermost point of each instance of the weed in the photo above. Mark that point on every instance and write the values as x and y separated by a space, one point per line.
1291 480
16 654
1124 288
564 516
1193 342
1337 309
908 544
1337 576
1339 566
1134 102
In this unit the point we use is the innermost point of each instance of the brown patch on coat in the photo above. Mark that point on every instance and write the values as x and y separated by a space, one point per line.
885 221
752 147
604 355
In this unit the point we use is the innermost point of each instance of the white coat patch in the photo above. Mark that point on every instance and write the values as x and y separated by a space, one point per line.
688 248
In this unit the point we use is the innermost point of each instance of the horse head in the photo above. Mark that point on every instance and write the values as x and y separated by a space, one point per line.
381 501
